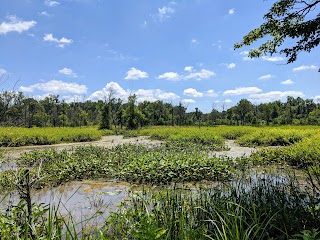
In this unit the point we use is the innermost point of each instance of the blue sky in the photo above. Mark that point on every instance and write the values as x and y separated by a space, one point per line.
160 50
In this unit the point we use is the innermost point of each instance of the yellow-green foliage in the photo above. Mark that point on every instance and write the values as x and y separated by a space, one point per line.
15 137
302 154
195 134
245 135
277 136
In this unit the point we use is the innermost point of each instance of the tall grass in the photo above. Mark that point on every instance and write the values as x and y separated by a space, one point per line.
16 137
254 208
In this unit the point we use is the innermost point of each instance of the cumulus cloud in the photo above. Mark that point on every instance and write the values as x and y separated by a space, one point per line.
67 71
317 99
211 93
72 98
191 92
56 87
134 74
202 74
272 59
305 67
171 76
16 25
243 90
154 95
188 68
142 94
231 11
191 74
51 3
227 101
111 88
287 82
231 65
187 101
273 96
62 42
2 71
265 77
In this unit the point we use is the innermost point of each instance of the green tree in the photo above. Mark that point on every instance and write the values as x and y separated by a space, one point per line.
243 108
132 114
106 117
295 20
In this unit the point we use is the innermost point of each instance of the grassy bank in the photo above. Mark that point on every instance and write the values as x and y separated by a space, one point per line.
244 135
16 137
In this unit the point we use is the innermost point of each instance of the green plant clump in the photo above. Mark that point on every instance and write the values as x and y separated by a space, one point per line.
255 208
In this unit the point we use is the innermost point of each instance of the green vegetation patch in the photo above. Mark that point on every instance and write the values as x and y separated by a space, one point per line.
131 163
16 137
254 208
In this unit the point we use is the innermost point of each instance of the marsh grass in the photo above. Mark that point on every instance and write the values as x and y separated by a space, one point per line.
16 137
251 208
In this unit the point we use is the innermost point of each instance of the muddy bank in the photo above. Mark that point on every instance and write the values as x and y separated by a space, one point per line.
235 150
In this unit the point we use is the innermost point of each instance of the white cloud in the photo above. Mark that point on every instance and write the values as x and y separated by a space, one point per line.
273 95
2 71
194 41
287 82
191 92
272 59
56 87
242 90
154 95
142 94
61 42
188 68
51 3
72 98
16 25
68 72
162 95
192 74
44 13
245 56
265 77
244 53
211 93
305 67
134 74
187 101
112 87
231 11
165 13
231 65
317 99
202 74
228 101
171 76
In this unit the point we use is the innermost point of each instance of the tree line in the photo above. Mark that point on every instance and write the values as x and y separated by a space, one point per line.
19 110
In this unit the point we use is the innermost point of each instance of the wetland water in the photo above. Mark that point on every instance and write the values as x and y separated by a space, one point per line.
85 199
